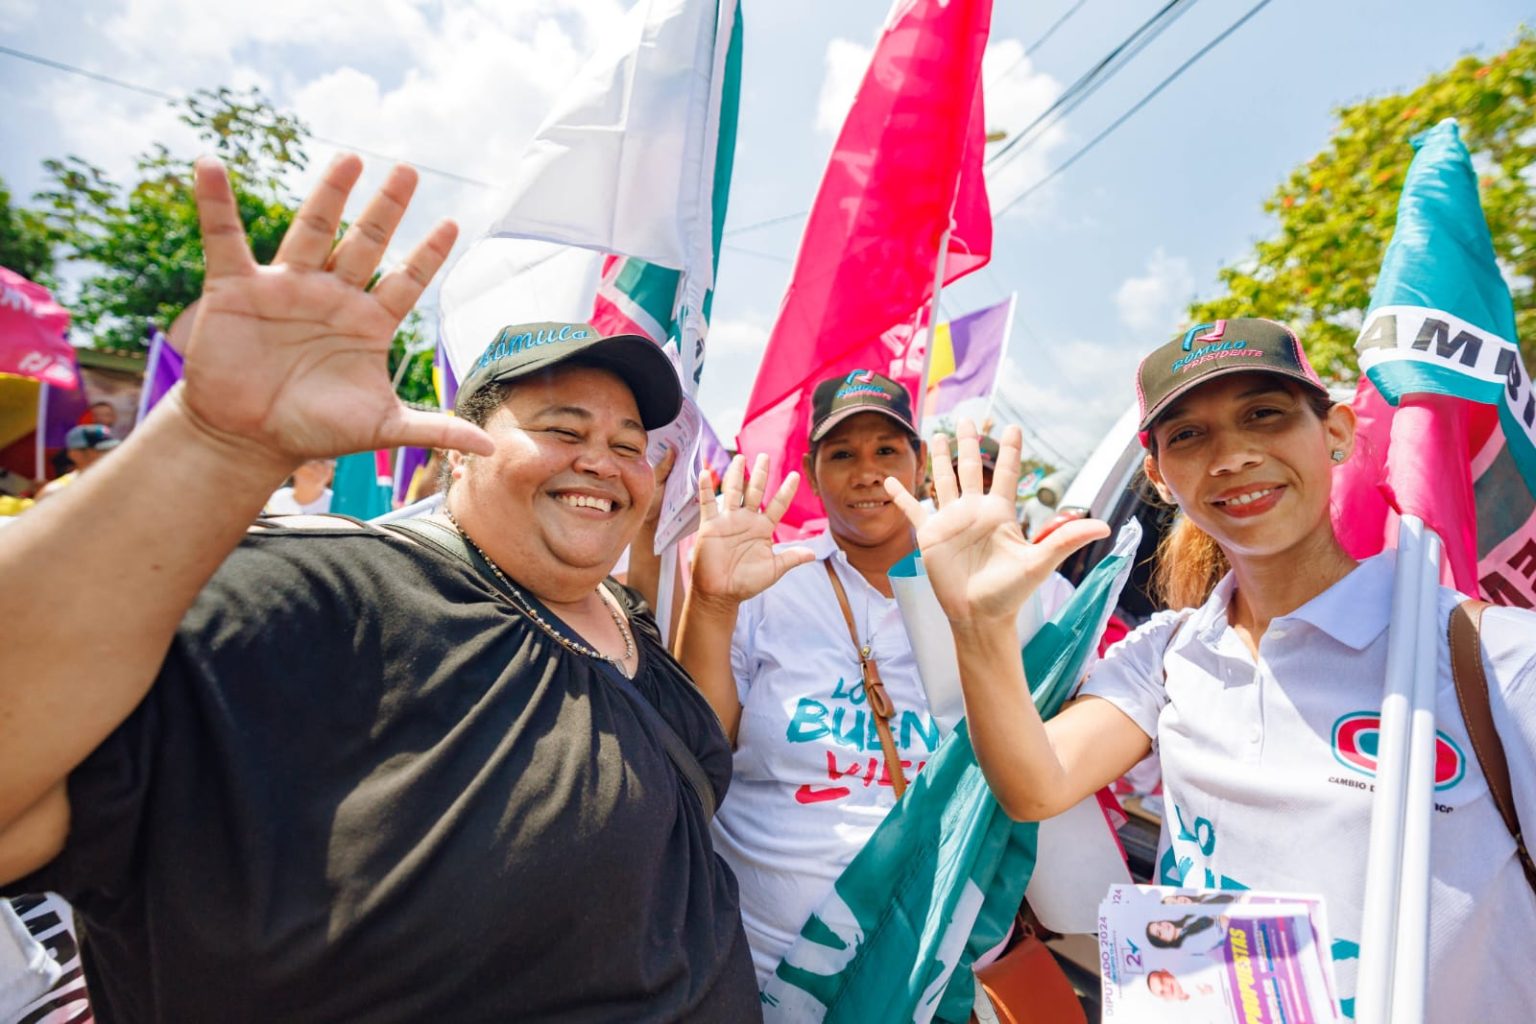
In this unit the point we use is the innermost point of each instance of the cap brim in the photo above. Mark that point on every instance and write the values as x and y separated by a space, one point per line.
823 428
1226 371
640 363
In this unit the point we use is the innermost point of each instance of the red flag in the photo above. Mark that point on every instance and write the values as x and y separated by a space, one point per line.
908 157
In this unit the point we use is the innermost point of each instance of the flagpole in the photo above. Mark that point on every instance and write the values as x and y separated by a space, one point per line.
1383 875
933 319
1411 955
42 432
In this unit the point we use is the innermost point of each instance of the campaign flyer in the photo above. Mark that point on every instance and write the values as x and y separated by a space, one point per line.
1201 956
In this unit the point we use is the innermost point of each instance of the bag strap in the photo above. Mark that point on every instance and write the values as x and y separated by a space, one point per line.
451 543
875 695
1472 694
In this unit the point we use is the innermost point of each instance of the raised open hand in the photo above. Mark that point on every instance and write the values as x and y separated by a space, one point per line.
981 567
734 558
289 361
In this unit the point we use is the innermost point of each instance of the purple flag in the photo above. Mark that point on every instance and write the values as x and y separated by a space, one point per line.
161 372
713 456
443 381
969 367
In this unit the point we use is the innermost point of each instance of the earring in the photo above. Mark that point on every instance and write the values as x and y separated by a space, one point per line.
1338 455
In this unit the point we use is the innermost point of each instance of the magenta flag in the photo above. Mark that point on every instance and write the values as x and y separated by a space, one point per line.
907 163
34 333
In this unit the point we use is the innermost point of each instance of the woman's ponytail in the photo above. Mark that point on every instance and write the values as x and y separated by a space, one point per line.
1189 565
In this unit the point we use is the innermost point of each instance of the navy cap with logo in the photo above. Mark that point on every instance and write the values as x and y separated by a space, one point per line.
523 349
1214 349
837 398
93 436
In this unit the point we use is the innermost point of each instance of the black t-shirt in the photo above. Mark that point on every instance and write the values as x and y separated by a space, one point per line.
366 788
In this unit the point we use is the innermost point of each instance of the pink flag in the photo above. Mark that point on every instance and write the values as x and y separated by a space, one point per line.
1446 417
907 161
34 333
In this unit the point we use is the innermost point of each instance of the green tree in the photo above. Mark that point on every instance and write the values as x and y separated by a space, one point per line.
1336 212
26 243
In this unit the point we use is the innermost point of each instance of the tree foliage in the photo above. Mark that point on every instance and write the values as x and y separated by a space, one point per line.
140 241
26 243
1336 212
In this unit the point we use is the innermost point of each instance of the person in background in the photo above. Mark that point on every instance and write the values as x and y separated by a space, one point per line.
1275 637
307 493
84 446
765 637
103 413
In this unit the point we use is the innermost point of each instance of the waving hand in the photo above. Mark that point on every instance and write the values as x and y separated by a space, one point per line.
981 567
290 359
735 558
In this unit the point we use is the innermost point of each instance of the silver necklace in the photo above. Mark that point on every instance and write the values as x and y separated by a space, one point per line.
527 607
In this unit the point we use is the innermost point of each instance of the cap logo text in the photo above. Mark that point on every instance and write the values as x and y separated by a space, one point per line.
507 344
861 383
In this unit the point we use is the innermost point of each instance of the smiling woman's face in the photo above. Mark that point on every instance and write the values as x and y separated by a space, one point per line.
568 484
848 475
1248 461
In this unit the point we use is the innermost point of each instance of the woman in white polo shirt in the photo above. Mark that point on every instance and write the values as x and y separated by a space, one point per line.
774 657
1263 700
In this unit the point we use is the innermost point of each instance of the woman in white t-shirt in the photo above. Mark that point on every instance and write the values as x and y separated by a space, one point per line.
308 493
1262 701
765 639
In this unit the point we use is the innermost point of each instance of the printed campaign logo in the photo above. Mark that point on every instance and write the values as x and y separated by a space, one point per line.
1209 335
1356 744
1215 327
861 382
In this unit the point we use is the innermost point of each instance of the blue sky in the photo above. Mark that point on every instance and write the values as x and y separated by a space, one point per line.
1104 258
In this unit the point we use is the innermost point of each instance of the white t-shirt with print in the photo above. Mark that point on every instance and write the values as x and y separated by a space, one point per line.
1268 767
809 784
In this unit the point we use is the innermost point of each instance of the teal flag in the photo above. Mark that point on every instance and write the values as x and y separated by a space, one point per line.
356 489
940 880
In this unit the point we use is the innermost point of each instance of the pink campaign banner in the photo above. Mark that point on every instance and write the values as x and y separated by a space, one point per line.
909 154
34 333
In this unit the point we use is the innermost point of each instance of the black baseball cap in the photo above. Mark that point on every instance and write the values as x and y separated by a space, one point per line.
1214 349
837 398
523 349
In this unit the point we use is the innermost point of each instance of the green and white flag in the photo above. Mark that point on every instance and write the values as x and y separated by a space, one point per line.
940 880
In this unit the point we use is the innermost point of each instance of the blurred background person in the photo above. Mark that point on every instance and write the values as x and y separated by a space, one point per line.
308 492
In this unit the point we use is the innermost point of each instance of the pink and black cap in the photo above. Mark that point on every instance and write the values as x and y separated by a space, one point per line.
524 349
838 398
1214 349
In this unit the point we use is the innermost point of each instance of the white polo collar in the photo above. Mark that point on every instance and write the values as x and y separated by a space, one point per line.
1353 611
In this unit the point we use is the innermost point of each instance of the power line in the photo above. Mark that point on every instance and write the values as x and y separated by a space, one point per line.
1088 83
1032 47
1093 79
1117 122
172 98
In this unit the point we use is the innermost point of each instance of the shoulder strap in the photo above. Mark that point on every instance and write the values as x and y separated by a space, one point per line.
1472 694
875 696
451 543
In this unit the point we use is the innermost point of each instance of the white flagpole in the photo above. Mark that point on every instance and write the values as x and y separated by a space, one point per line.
921 398
1411 957
1373 991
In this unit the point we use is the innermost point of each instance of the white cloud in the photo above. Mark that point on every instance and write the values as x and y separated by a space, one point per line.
1015 94
1068 394
1155 300
737 336
846 63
